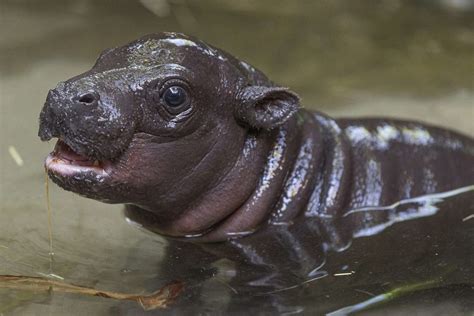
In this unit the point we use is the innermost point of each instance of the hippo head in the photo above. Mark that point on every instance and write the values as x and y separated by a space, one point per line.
157 122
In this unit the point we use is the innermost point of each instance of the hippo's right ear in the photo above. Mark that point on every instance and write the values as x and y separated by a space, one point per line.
266 107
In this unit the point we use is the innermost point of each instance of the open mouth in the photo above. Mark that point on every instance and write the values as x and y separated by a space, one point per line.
65 161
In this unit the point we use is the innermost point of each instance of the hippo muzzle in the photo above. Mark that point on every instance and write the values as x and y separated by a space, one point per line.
94 123
85 114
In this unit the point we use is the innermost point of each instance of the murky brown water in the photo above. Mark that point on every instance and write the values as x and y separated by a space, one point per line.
411 59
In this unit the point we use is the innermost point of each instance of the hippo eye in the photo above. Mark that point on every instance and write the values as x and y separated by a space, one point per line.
175 96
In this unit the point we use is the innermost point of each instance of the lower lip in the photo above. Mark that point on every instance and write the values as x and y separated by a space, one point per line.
67 168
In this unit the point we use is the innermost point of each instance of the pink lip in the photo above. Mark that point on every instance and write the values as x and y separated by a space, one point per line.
64 161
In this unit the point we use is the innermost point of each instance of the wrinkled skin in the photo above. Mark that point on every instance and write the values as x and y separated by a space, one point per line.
239 156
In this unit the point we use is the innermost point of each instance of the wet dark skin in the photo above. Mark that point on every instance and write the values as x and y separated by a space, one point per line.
203 147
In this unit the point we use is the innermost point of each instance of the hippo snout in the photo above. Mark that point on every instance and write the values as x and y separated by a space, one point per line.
97 123
60 105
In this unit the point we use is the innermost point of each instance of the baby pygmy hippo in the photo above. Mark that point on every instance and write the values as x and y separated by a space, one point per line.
202 146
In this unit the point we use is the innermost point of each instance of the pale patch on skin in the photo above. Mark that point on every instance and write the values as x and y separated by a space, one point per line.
373 184
240 234
247 66
251 146
183 42
337 166
275 161
386 133
417 136
428 179
357 133
296 183
179 42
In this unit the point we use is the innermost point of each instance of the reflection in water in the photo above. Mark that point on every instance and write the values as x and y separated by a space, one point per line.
282 268
399 212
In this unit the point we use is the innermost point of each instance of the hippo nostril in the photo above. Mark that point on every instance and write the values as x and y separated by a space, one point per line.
89 98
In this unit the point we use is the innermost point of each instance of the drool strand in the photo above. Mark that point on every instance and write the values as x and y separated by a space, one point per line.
50 223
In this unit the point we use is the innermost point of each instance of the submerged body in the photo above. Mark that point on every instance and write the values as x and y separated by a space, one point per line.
202 146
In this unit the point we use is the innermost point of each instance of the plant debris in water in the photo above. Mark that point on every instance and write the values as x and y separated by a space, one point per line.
15 156
382 298
159 299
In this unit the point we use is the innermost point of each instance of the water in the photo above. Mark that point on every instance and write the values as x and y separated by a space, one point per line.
409 59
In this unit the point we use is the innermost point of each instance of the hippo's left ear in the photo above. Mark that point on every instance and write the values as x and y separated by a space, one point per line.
266 107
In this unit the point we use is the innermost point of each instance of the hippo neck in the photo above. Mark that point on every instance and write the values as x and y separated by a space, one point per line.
301 169
305 173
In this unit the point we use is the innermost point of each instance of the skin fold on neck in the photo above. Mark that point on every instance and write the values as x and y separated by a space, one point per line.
243 197
277 175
